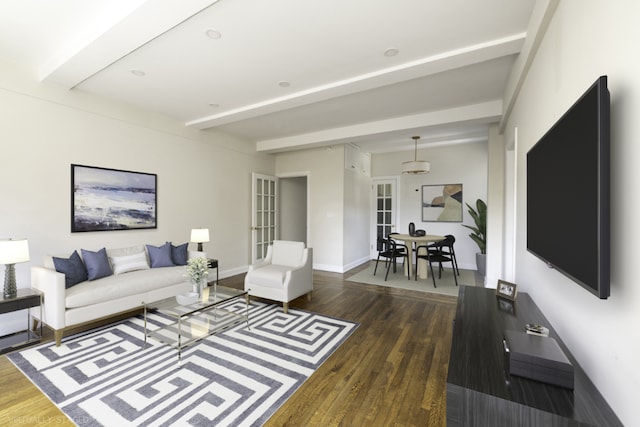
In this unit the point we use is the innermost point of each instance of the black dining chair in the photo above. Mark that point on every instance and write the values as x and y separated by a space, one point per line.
390 251
440 254
445 247
397 251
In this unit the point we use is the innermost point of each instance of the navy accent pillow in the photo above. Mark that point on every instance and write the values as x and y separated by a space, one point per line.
179 254
160 256
72 268
97 264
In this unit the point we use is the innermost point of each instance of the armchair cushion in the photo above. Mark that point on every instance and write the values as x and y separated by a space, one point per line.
270 275
287 253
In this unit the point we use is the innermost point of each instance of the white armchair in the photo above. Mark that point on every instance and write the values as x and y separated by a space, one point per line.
283 275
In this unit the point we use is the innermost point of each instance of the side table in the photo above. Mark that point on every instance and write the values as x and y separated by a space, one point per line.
213 263
25 299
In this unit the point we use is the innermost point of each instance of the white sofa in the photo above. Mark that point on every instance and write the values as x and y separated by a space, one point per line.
283 275
91 300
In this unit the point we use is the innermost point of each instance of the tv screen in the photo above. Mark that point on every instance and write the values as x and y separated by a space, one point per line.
568 192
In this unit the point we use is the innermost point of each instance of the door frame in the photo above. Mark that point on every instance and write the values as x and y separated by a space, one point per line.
307 175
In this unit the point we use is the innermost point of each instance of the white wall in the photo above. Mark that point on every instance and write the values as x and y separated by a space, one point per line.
586 39
204 178
357 215
325 171
465 163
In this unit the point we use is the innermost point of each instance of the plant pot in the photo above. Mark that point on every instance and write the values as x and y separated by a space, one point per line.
481 263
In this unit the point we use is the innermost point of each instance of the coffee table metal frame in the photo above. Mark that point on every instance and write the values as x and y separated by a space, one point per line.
196 321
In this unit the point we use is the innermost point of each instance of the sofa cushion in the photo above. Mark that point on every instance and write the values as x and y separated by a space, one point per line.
270 275
127 263
73 269
114 287
97 264
160 256
287 253
129 250
179 254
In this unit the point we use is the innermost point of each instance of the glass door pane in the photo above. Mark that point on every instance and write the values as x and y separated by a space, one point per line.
264 216
385 212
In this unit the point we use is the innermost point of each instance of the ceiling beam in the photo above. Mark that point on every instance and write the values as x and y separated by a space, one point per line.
116 37
486 112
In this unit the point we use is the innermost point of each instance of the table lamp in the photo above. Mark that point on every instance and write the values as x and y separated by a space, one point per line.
12 252
199 236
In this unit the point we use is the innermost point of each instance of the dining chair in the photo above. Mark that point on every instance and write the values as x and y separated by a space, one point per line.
397 251
431 255
445 247
390 250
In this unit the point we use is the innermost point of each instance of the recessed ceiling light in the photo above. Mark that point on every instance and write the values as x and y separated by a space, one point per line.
213 34
138 73
392 51
284 84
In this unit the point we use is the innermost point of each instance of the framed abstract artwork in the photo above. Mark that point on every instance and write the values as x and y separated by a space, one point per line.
442 203
110 199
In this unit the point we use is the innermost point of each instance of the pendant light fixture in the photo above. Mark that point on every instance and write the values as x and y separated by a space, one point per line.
416 166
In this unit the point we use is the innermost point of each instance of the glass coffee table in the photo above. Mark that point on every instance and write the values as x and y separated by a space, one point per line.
196 321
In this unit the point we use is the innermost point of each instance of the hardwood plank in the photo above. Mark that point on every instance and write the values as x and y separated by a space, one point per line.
391 371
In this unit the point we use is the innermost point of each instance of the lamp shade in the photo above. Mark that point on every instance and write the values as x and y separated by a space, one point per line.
14 251
199 235
416 166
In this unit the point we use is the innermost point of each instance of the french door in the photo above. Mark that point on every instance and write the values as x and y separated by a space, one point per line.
384 211
264 218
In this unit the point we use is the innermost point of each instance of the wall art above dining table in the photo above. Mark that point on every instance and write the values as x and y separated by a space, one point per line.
442 203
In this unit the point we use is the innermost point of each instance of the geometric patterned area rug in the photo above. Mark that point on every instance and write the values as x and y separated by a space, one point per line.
238 377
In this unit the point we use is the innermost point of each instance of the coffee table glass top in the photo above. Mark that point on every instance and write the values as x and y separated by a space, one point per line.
212 296
193 322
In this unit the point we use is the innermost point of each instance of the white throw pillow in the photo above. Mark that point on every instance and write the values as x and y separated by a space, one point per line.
126 263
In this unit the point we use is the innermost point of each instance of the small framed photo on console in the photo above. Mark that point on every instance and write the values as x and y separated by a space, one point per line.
507 290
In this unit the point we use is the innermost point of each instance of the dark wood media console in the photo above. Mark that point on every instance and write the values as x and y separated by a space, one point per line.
481 393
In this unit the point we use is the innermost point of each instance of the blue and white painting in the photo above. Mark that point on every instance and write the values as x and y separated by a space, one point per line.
110 199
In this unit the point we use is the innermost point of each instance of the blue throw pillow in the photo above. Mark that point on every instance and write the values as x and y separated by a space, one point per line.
160 256
72 268
179 254
97 264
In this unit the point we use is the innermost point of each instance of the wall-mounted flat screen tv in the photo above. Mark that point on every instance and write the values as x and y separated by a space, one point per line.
568 192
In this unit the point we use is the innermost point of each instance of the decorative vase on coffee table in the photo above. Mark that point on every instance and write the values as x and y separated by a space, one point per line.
198 286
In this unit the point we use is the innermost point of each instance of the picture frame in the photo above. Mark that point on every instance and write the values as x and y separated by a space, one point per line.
441 203
104 199
507 290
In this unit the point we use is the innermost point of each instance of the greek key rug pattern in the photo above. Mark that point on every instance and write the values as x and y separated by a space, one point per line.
239 377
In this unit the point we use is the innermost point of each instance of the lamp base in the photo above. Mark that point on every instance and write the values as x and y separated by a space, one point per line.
199 247
10 288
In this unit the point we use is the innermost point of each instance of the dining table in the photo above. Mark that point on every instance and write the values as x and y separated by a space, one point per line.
421 269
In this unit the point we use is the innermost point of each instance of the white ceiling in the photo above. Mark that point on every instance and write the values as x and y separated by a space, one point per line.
445 84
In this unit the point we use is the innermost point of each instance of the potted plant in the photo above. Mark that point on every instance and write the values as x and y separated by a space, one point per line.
479 235
197 271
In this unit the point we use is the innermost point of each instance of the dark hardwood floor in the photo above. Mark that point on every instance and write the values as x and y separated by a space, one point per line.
391 372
